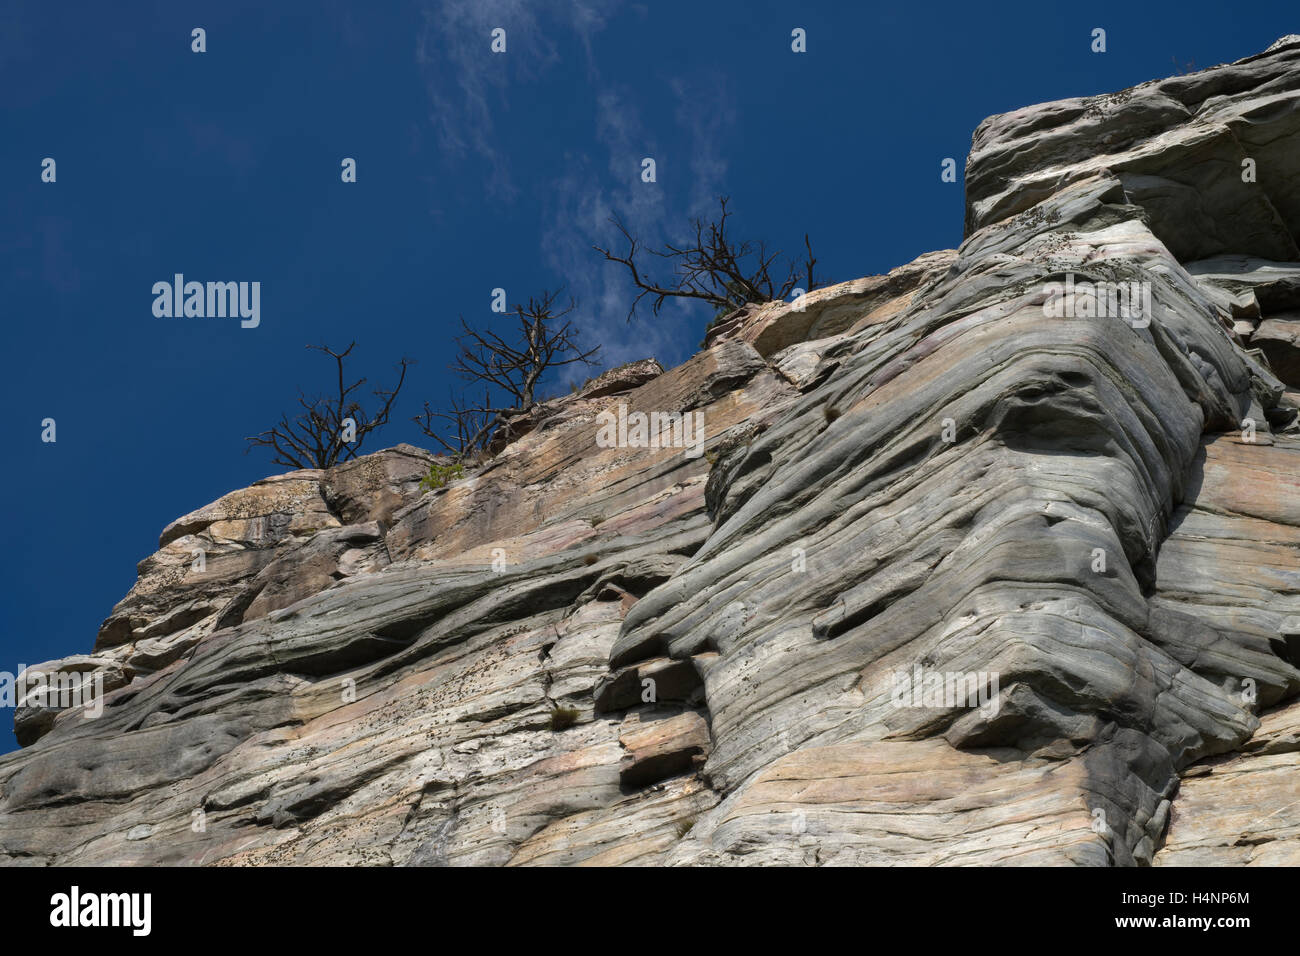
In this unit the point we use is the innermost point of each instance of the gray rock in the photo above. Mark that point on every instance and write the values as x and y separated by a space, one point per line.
957 579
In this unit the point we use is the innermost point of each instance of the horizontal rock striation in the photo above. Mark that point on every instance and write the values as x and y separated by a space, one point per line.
581 654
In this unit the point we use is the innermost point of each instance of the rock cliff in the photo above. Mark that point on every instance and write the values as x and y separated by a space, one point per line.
580 654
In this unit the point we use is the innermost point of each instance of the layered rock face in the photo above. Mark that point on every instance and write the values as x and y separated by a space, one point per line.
743 649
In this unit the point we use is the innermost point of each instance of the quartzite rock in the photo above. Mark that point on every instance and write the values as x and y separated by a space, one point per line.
578 654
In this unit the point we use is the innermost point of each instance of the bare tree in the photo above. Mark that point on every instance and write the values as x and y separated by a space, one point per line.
513 369
320 436
465 429
715 268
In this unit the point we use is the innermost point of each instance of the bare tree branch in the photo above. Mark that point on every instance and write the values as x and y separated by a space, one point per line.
315 437
713 268
467 426
513 368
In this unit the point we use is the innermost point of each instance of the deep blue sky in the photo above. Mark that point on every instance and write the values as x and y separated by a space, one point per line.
475 171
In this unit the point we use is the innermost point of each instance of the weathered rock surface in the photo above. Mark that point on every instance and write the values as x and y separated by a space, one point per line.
1242 809
1180 148
579 654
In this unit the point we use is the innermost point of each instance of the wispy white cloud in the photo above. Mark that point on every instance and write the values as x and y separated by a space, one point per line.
583 202
466 81
706 110
467 86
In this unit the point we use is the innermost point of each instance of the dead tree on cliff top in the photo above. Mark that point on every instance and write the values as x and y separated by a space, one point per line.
714 268
513 369
331 428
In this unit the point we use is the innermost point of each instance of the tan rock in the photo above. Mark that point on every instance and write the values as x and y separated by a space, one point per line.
585 652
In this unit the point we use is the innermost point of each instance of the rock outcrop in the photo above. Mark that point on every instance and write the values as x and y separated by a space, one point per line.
743 649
